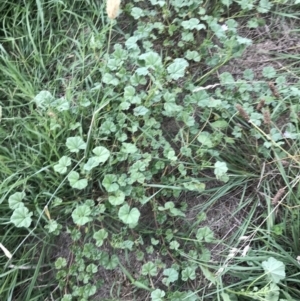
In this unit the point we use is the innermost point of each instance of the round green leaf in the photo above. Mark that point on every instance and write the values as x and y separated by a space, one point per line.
15 200
192 23
128 216
188 273
75 144
171 276
157 295
110 80
140 111
177 68
74 181
91 268
269 72
21 217
100 236
52 226
227 78
149 268
274 269
220 169
152 60
194 185
43 99
63 163
60 263
67 297
204 138
91 163
137 12
128 148
219 124
158 2
193 55
129 92
205 234
102 153
112 263
81 215
117 199
109 183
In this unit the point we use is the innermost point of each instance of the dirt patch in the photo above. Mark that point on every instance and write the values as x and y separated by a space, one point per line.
275 38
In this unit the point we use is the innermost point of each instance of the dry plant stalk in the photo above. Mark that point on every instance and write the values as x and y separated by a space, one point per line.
242 112
112 8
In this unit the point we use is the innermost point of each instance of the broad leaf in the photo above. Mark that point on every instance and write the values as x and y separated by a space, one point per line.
188 273
21 217
274 292
269 72
75 182
177 68
274 269
110 80
152 59
205 234
220 170
204 139
109 183
43 99
63 163
193 55
81 215
100 236
129 216
140 111
60 263
75 144
91 163
219 124
128 148
117 198
112 262
15 200
192 23
137 13
102 153
172 275
157 295
149 268
194 185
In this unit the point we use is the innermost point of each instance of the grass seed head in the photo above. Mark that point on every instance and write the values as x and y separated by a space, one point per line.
112 8
6 252
278 196
274 90
260 105
267 117
242 112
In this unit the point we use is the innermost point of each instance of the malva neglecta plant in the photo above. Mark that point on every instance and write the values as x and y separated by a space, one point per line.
121 133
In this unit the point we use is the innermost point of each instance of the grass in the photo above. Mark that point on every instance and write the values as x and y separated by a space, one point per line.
118 182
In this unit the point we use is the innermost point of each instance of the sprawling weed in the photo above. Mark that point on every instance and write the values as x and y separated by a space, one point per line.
136 164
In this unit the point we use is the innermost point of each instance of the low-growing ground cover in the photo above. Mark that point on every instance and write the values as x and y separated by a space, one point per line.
151 154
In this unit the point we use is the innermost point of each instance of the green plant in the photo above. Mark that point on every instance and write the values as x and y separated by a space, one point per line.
111 129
